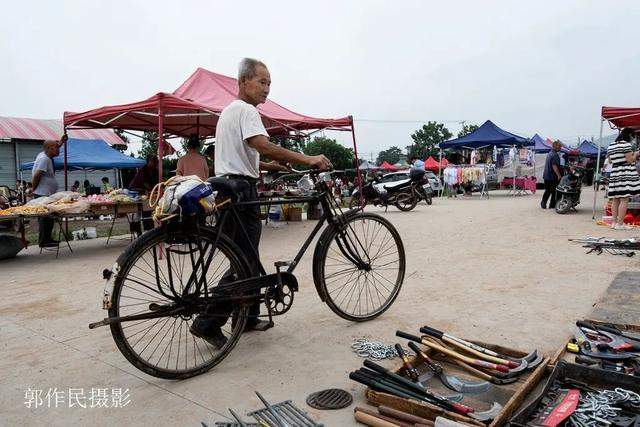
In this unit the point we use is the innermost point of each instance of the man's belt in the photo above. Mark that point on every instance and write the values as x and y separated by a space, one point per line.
249 179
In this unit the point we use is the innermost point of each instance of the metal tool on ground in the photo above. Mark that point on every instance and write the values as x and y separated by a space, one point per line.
497 378
285 410
418 389
333 398
277 419
470 348
606 334
474 362
372 349
409 370
449 381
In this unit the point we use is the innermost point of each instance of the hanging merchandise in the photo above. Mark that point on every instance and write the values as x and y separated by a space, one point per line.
466 176
474 157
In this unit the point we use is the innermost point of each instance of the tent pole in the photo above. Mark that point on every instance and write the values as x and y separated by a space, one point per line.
440 173
66 153
513 164
595 193
355 152
160 140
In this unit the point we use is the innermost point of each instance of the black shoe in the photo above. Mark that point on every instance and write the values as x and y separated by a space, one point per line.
257 325
214 336
542 205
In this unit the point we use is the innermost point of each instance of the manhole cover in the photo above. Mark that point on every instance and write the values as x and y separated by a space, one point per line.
333 398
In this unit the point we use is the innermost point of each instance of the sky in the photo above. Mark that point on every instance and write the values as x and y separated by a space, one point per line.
544 66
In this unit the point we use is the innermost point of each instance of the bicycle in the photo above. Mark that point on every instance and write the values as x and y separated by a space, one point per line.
171 274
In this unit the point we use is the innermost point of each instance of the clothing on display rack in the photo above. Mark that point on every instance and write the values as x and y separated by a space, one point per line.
456 175
474 157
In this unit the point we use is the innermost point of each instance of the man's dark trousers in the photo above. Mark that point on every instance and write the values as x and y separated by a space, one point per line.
45 227
249 217
549 191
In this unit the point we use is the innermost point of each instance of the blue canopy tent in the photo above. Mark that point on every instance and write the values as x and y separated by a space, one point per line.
91 154
540 145
487 135
589 149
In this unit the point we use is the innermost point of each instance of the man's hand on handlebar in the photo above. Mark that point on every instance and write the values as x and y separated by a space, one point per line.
320 162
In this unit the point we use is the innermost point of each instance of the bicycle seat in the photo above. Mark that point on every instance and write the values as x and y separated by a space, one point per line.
228 188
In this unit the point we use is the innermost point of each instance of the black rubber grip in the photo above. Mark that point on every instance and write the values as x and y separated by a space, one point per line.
586 360
610 330
408 336
583 324
432 331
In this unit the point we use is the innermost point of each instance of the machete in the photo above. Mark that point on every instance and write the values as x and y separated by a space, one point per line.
449 381
529 358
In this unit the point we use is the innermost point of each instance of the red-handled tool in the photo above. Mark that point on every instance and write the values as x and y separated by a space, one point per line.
471 361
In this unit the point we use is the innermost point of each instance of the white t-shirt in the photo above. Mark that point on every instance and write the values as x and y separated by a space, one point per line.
47 184
238 122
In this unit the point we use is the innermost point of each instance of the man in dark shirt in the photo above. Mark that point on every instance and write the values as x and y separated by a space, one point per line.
552 175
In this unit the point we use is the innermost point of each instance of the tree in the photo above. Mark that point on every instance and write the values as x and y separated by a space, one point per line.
391 155
149 144
341 157
427 139
467 129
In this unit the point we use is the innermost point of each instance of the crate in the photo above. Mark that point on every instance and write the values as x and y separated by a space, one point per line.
510 396
294 214
596 378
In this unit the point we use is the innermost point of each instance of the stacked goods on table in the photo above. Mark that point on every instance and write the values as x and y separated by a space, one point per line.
490 381
69 202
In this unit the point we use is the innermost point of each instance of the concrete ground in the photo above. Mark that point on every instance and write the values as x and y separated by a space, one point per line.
500 270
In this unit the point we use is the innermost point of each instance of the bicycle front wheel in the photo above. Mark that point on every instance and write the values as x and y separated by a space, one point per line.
154 276
359 266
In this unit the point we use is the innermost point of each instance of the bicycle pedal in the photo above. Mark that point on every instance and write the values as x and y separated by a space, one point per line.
279 264
263 326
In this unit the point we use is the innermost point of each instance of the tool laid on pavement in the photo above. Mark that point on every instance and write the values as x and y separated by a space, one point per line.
612 246
333 398
450 381
409 370
287 411
471 361
373 349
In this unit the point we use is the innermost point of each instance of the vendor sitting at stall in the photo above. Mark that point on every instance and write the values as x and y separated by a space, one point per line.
193 163
44 183
106 186
146 177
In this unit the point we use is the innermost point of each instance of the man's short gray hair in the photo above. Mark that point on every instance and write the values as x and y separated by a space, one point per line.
247 68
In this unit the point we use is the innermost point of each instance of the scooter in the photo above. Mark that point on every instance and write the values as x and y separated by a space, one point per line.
569 189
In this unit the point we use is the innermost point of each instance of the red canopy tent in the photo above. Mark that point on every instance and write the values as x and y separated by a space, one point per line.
194 108
388 166
431 164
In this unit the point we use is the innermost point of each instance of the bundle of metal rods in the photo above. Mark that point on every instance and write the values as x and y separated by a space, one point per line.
383 380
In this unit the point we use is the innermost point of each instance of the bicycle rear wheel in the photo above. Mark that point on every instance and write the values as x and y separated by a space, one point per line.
155 268
359 266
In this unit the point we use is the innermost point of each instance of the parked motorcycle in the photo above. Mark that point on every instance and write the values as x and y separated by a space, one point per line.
403 196
569 189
